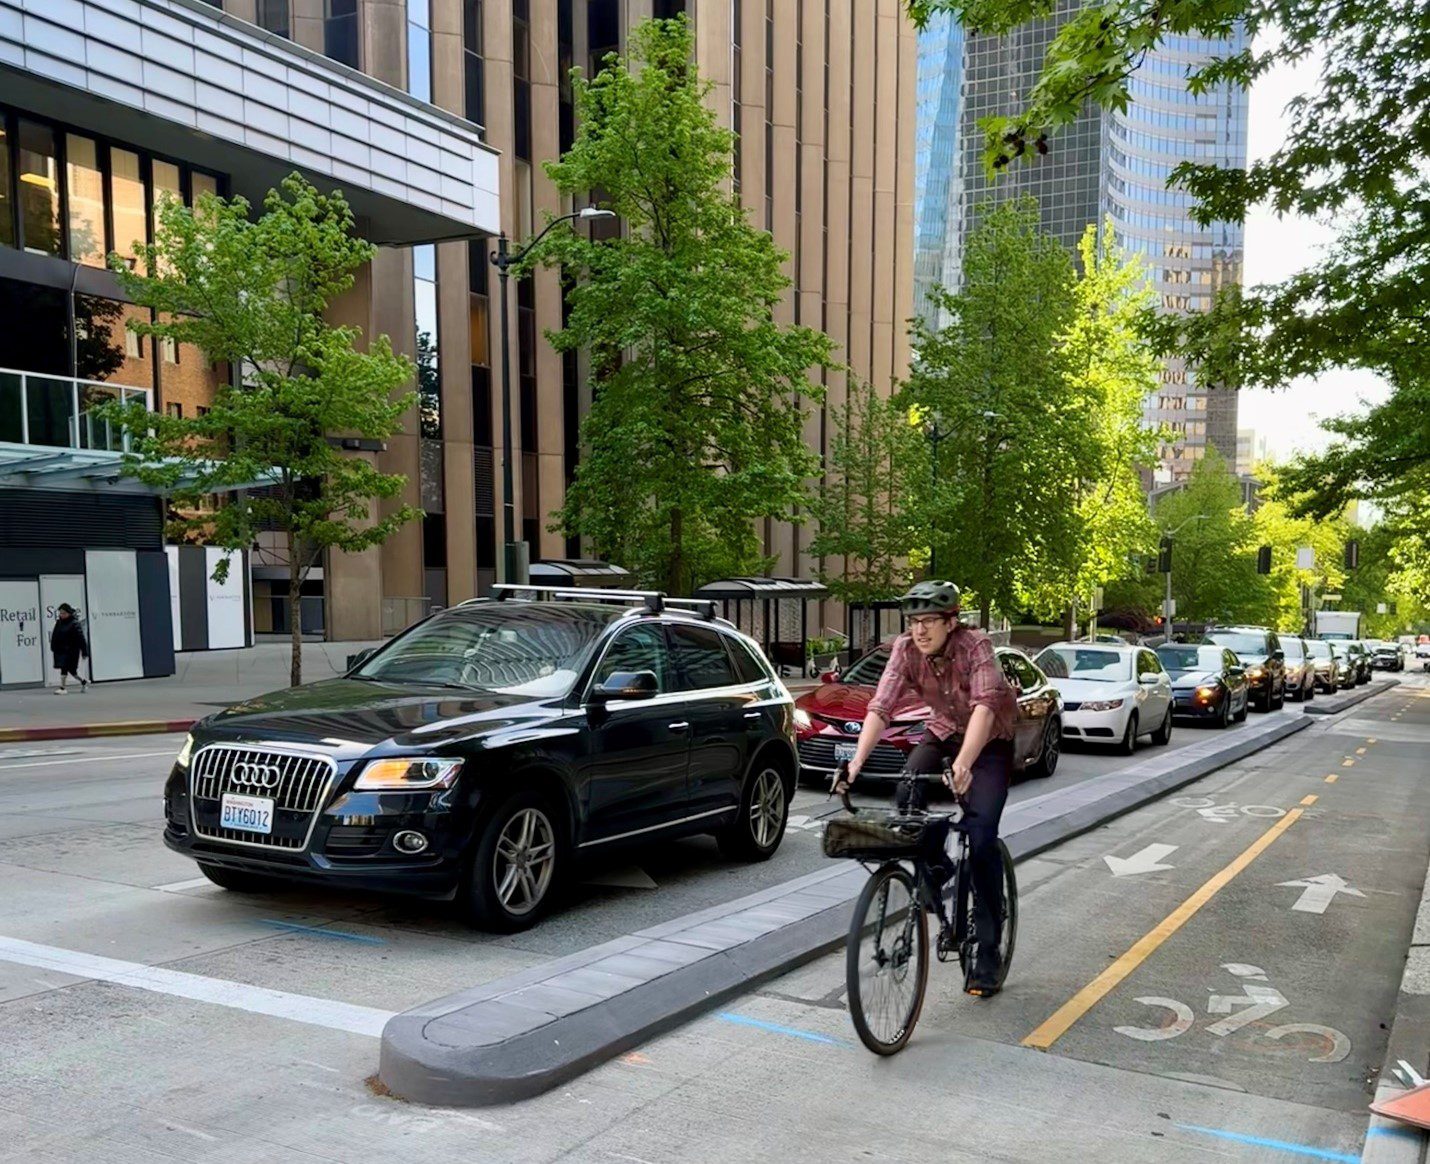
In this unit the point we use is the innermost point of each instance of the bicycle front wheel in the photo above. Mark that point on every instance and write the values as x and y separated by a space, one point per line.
887 960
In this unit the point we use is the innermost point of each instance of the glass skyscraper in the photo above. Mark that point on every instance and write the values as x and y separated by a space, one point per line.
935 149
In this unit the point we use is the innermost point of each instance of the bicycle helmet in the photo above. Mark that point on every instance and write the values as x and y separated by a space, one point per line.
931 597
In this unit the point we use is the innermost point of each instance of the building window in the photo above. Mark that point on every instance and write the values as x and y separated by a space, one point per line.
419 49
39 188
769 115
474 62
128 199
133 345
565 58
273 16
340 31
175 410
736 89
429 379
170 350
85 195
521 74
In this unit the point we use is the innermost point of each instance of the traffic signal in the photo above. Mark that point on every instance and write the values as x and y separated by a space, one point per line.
1263 560
1352 554
1164 557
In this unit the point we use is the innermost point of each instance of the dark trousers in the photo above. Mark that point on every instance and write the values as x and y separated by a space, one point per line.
986 796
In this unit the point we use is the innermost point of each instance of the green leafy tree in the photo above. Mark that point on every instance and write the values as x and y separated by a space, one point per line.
864 509
1276 525
1213 547
1110 369
252 292
1015 438
696 429
1356 153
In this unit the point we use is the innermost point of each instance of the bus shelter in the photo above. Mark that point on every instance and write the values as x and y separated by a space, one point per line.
772 611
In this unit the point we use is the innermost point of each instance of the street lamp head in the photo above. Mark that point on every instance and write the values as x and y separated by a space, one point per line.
588 213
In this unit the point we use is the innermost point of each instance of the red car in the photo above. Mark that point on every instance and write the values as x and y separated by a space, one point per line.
828 720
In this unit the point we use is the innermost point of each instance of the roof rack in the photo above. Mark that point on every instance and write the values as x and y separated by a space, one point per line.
653 601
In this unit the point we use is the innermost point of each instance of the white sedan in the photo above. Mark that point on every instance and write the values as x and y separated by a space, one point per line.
1111 694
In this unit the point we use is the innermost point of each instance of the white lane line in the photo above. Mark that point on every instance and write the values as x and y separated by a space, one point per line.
318 1012
178 886
97 758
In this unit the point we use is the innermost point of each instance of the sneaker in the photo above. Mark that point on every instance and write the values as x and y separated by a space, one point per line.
983 982
59 690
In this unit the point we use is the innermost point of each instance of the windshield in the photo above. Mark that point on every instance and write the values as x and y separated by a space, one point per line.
497 648
866 672
1253 645
1176 657
1319 650
1098 665
1293 648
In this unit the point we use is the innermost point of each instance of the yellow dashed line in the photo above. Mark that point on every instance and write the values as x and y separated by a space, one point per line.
1309 799
1348 763
1332 778
1370 741
1360 751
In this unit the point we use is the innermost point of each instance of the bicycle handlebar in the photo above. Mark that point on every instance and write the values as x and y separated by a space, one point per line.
840 785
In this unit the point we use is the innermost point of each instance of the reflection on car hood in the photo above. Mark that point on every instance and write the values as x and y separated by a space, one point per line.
1194 678
349 711
1080 690
850 701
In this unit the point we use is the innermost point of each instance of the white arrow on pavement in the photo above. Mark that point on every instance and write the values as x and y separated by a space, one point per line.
1320 891
1144 861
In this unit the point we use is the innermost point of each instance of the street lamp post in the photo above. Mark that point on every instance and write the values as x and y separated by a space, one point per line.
1167 600
515 554
935 436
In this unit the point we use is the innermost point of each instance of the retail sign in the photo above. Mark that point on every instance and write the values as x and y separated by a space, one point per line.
112 583
23 634
225 600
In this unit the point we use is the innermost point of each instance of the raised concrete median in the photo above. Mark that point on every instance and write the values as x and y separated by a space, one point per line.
519 1036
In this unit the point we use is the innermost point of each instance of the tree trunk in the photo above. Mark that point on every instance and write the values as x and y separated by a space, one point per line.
295 612
985 611
675 568
1070 622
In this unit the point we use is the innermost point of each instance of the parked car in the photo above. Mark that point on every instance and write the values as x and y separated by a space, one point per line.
1387 656
1325 663
1259 649
1422 656
1347 673
830 718
479 752
1110 694
1208 682
1361 654
1300 669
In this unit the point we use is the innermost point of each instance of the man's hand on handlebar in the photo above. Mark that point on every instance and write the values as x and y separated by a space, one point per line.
958 776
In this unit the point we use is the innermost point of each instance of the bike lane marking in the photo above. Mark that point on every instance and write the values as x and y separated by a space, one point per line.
1062 1020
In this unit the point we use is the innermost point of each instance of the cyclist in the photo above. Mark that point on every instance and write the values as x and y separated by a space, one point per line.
951 669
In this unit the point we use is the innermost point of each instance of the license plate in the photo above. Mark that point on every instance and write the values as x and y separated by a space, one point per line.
843 753
249 814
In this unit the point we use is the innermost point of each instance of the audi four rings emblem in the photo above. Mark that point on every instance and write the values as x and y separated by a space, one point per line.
256 775
853 728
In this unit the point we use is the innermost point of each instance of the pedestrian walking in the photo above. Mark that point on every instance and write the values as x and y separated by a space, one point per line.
68 644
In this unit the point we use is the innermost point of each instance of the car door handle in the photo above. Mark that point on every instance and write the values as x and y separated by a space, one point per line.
753 714
681 726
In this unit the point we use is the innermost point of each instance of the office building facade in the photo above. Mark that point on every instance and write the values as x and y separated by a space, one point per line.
1116 164
935 150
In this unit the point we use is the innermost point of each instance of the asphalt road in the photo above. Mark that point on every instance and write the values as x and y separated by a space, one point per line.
186 1069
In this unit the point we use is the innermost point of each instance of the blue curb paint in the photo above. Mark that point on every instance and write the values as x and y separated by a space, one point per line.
775 1028
318 931
1279 1145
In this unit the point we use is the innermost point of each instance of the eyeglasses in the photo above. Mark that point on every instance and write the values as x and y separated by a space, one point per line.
928 621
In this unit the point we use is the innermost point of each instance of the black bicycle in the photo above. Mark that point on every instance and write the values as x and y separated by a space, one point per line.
912 863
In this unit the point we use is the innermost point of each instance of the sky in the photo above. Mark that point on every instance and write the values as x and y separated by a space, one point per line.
1286 419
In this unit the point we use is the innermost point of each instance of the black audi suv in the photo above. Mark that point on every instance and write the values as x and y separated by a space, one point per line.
477 755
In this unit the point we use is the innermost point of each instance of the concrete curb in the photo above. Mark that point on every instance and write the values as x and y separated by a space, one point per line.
1388 1141
131 727
520 1036
1344 701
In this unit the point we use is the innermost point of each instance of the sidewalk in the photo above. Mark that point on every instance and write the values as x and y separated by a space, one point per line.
203 682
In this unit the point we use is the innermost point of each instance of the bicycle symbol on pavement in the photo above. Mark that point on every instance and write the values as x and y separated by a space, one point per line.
1258 1000
1209 809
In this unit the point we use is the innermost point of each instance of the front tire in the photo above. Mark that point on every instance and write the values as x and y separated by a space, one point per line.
1224 719
886 960
759 826
1047 762
1128 744
516 865
240 880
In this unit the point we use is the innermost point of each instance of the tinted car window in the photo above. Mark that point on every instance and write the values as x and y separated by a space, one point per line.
1147 661
1029 675
749 668
1101 664
1230 660
868 670
640 648
1294 648
701 659
1319 650
1244 643
1190 657
536 652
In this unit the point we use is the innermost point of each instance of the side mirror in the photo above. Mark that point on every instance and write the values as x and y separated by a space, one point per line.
357 660
1149 677
626 685
830 676
1279 655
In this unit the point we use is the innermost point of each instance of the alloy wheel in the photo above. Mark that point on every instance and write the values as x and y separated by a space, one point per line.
524 861
767 808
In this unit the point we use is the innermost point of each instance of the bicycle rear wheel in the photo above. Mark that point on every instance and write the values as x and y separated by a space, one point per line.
887 960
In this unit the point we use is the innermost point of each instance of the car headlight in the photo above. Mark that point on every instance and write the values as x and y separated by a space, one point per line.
186 752
1102 705
802 720
1255 672
402 773
1206 692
